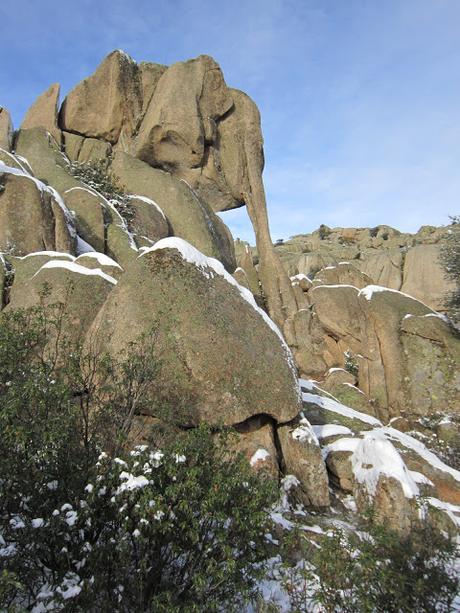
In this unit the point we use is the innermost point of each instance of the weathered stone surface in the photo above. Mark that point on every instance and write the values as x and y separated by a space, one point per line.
31 218
246 262
89 216
342 274
257 442
106 104
43 113
6 129
150 75
81 290
181 118
389 504
83 150
424 277
384 268
189 218
338 311
216 348
48 163
339 465
302 458
432 357
148 223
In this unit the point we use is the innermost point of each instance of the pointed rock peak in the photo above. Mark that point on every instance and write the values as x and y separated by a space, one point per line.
105 103
44 111
6 129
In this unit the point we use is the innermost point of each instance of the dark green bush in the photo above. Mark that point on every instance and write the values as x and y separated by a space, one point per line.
88 525
378 570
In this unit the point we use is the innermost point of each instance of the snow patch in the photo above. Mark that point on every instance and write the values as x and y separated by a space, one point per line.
330 430
261 455
374 456
74 267
102 259
336 407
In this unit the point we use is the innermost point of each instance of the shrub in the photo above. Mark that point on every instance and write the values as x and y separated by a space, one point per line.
351 363
96 175
86 524
378 570
450 259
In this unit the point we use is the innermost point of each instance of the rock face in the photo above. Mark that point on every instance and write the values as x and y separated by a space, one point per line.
6 129
188 217
406 355
302 458
406 262
206 324
32 216
81 289
106 104
43 113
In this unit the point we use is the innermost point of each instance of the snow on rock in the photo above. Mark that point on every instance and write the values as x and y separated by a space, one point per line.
330 430
148 201
452 510
414 445
370 290
306 384
76 268
374 456
210 267
304 433
336 407
44 188
83 247
341 444
51 254
261 455
102 259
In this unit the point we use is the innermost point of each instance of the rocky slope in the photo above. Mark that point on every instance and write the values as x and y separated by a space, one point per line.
110 200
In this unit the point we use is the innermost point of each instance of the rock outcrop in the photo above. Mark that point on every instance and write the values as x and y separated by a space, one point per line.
406 262
6 129
43 113
220 350
111 202
32 216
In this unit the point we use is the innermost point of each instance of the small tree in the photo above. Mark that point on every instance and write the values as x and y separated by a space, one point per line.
450 259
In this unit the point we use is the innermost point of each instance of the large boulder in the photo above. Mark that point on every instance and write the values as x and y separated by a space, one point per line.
43 113
179 131
384 268
49 164
302 458
432 357
342 274
32 216
218 348
82 290
106 104
6 129
189 217
425 278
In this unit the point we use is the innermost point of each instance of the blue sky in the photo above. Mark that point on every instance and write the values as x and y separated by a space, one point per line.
360 99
